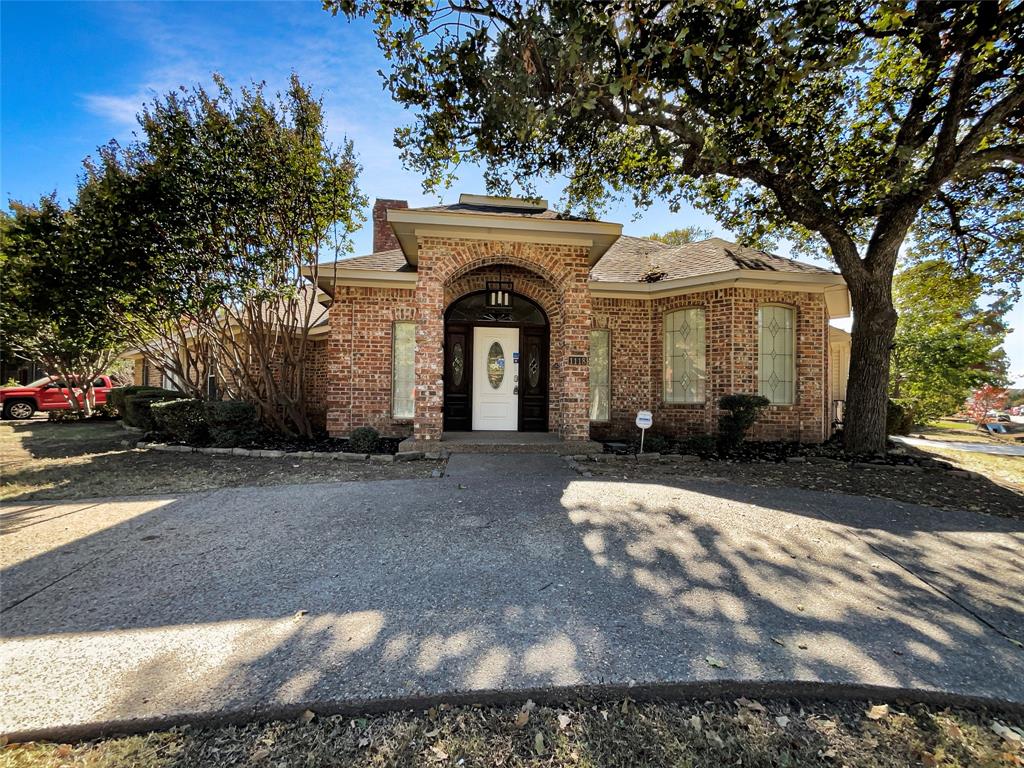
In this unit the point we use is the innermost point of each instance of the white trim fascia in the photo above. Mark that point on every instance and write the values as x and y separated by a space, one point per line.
540 204
407 223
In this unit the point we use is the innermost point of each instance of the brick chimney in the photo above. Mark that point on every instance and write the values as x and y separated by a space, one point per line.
383 236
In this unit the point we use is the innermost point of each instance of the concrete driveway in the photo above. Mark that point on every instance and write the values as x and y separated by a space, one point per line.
510 574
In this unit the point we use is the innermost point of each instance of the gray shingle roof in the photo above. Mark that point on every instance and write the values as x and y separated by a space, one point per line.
639 260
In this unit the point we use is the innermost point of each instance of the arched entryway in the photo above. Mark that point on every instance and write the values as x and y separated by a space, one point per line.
496 365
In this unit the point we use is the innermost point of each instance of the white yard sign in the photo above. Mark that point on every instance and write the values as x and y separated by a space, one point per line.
644 419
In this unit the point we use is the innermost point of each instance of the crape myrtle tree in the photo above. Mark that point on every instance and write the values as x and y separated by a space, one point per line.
830 123
60 297
245 200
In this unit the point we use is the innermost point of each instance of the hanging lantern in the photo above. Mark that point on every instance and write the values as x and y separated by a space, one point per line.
499 292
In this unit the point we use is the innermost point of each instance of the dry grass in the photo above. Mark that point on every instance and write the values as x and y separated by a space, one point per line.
40 460
581 735
1005 470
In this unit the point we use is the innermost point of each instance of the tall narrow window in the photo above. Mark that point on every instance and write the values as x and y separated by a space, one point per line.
776 365
600 376
403 371
684 368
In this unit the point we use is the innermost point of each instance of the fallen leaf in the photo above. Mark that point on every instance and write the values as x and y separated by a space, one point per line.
538 743
778 642
877 712
799 607
782 720
802 646
306 716
928 760
953 731
439 753
695 723
564 721
522 718
756 706
715 739
301 613
432 734
260 754
713 662
1010 734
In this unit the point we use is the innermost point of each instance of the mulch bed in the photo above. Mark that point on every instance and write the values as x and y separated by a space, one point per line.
580 734
923 480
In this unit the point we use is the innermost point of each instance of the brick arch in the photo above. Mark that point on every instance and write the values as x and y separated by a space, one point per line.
526 282
474 255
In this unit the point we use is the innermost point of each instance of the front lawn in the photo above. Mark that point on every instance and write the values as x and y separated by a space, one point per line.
744 732
41 460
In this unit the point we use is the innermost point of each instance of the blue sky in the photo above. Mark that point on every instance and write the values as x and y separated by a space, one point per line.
74 75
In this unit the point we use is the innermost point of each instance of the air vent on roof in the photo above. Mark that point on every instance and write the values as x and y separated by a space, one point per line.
488 201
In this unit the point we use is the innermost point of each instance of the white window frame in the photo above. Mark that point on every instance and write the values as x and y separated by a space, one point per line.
667 329
403 408
598 386
790 372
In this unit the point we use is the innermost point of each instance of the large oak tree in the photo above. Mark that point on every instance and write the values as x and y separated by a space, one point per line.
832 123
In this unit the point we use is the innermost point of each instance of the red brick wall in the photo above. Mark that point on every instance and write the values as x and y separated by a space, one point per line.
731 352
359 359
444 261
316 380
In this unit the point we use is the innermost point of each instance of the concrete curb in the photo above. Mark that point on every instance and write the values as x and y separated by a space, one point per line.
679 691
264 453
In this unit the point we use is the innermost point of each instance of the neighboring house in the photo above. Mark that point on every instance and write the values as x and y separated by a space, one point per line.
502 314
19 369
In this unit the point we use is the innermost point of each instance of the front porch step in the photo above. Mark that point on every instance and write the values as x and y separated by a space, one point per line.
502 442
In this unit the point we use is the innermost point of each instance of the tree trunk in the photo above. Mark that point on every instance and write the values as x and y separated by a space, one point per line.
874 328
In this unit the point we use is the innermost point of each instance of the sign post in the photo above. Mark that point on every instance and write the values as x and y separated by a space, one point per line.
643 420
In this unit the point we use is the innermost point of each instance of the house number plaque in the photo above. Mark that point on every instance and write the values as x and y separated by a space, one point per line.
577 360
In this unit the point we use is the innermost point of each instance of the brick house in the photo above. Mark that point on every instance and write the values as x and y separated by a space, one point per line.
501 314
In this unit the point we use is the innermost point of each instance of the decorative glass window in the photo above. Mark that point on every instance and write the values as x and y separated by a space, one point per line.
776 364
403 371
684 367
458 363
600 376
495 365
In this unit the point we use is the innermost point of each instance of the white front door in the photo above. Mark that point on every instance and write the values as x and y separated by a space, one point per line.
496 378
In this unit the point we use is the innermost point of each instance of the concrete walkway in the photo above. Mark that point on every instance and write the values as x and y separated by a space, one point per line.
1007 449
510 574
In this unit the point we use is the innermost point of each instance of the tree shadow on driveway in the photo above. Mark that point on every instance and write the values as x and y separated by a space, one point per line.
517 577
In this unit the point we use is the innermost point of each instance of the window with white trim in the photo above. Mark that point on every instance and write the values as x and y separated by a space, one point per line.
403 370
776 359
600 376
684 364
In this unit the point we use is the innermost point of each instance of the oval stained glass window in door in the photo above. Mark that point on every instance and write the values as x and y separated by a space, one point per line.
458 363
495 365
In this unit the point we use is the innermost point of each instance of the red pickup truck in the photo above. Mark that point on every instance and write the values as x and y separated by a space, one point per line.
46 394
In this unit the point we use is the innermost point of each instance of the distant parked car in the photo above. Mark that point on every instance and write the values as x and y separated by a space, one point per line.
46 394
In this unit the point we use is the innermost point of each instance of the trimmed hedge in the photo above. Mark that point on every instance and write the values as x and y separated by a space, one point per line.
116 396
363 440
743 411
182 420
230 422
137 407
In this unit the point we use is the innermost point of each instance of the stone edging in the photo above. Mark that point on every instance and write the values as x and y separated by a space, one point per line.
380 458
575 461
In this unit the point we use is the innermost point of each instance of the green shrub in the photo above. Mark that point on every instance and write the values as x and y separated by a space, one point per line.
704 446
898 419
117 395
137 407
655 443
363 440
182 420
743 411
64 416
231 422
